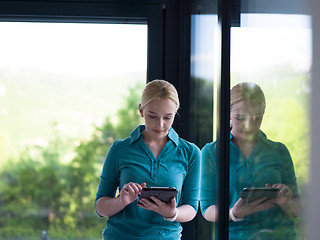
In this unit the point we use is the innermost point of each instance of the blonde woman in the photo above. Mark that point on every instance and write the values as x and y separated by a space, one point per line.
255 161
154 155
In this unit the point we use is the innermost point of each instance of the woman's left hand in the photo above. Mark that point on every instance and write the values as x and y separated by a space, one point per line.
285 194
167 210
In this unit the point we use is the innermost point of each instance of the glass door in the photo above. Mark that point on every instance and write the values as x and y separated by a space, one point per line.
270 47
273 51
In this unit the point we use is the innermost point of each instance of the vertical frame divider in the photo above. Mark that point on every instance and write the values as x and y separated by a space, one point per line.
223 114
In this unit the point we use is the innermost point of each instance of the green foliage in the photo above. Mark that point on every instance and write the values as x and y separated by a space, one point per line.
35 98
41 191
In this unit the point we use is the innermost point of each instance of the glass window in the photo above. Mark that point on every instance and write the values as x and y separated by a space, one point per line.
270 47
203 70
67 90
274 52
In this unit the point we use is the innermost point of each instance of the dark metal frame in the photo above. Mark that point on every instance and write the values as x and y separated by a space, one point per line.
223 131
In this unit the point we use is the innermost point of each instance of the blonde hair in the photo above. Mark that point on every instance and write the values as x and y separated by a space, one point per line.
247 91
159 89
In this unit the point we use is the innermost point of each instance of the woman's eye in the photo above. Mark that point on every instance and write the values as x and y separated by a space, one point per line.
167 118
240 118
150 116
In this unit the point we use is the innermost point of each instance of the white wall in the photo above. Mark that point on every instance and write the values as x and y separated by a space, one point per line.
313 209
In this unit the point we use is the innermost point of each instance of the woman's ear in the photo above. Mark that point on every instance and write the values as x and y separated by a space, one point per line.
140 110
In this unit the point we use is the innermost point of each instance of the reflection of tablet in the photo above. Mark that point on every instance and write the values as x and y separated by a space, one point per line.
251 194
163 193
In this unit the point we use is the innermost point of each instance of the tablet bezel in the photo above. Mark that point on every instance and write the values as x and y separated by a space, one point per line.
165 194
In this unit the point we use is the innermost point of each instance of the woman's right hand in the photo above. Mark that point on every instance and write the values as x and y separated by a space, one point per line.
242 208
130 192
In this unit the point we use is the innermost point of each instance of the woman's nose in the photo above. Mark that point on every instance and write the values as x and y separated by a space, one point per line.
160 122
247 123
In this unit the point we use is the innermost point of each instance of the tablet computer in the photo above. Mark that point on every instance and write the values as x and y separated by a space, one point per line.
163 193
252 194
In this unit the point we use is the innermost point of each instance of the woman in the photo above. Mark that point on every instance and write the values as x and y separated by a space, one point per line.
153 155
255 161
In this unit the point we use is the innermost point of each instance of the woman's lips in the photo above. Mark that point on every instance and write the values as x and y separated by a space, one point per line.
157 131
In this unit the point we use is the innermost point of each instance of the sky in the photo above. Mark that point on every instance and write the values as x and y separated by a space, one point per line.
74 48
262 40
116 52
107 49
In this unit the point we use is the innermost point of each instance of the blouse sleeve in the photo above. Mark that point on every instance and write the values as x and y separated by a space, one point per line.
288 174
109 178
209 187
191 185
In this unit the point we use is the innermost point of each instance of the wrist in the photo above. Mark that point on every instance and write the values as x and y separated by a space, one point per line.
121 203
172 219
233 217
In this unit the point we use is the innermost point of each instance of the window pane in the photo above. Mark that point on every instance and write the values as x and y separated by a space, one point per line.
67 90
274 52
204 68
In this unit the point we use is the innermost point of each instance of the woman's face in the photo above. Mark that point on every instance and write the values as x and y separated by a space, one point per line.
246 120
159 115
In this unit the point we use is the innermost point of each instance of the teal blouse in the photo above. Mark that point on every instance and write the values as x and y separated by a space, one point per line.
131 160
269 162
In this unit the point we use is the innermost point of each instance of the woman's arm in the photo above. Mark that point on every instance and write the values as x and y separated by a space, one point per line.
107 206
185 213
211 214
168 210
241 209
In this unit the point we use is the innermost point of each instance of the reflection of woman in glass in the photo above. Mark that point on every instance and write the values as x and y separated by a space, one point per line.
255 161
153 155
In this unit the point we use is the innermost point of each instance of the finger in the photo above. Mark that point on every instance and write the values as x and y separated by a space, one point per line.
287 192
129 189
173 202
241 200
135 187
146 203
157 201
278 185
124 192
141 204
140 186
239 204
265 205
258 201
284 189
126 186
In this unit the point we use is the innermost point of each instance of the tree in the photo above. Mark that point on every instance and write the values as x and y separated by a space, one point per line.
39 191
